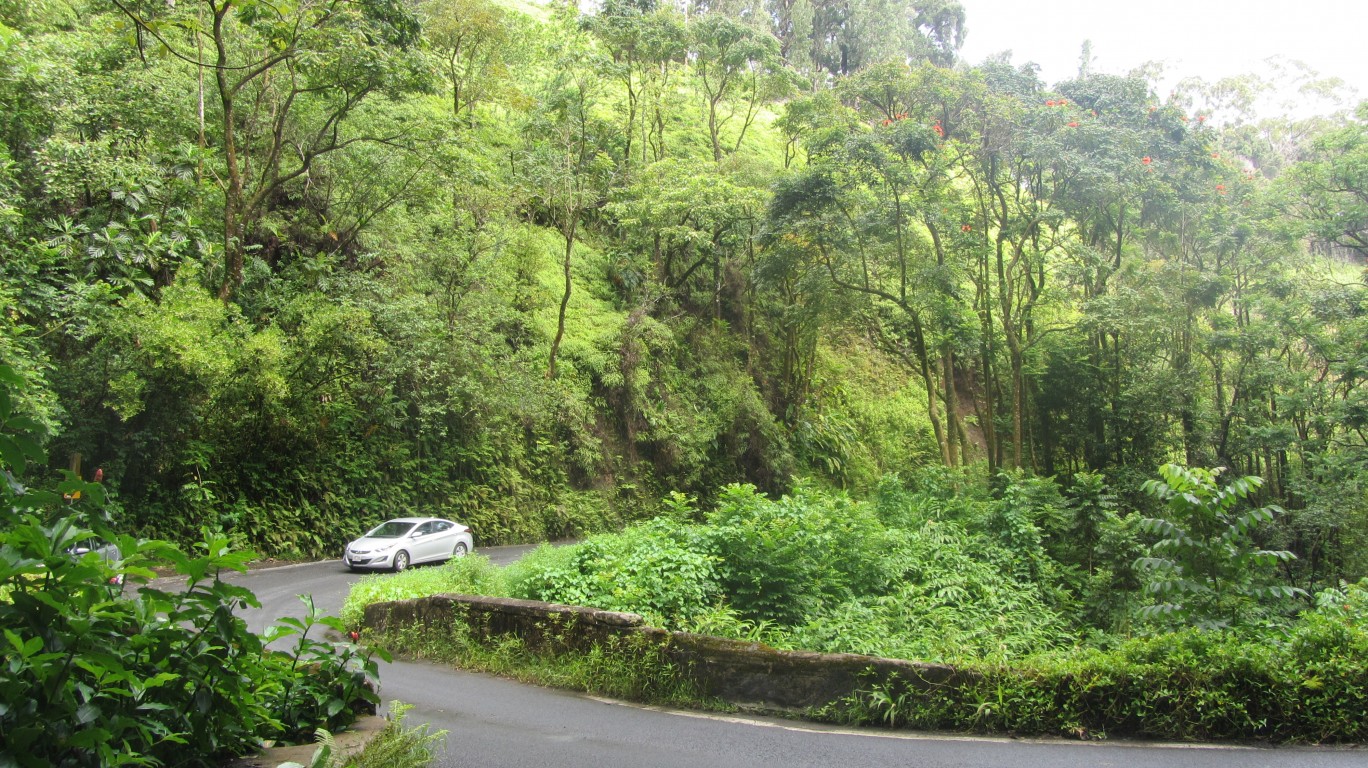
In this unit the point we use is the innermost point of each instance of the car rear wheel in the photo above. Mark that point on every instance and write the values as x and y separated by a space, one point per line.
401 561
460 549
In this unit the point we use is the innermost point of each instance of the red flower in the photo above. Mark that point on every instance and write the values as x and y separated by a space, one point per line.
1073 125
938 129
1050 103
1146 160
886 121
354 635
1201 118
1216 155
1220 188
99 474
966 228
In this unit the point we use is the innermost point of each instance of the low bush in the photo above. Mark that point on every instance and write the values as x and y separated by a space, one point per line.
658 569
1187 685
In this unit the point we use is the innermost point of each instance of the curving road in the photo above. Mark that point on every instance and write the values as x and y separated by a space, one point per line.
496 723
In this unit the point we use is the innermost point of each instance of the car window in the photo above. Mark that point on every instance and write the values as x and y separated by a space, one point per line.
441 526
390 530
424 529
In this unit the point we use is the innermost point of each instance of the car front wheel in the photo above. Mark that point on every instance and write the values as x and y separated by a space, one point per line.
401 561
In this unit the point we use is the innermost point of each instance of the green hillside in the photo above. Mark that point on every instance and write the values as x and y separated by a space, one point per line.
285 270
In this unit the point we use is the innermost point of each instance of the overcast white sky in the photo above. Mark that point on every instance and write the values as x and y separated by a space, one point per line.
1212 39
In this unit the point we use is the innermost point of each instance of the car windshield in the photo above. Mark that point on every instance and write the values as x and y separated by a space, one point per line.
391 530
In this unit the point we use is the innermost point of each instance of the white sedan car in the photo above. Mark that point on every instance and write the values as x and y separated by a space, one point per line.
397 544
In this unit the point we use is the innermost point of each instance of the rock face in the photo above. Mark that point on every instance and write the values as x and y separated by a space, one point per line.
751 675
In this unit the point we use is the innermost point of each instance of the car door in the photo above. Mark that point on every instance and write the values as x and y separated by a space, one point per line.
423 546
443 540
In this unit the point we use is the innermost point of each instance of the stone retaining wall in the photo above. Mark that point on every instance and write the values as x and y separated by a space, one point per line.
750 675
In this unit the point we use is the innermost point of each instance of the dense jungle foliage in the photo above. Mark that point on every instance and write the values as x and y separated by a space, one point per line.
1061 615
103 668
282 270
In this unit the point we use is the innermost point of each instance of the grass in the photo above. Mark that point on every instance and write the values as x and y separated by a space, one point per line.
630 668
393 747
469 575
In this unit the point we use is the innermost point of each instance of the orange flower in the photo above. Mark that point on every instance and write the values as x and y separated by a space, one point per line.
1201 118
1050 103
1220 188
966 228
885 121
1216 155
1073 125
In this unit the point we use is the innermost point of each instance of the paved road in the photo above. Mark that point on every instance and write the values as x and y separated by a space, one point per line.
495 723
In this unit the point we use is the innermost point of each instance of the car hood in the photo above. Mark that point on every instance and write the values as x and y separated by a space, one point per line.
366 543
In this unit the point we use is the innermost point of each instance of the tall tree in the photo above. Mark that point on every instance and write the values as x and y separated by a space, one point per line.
645 45
287 76
1332 185
568 168
474 41
736 69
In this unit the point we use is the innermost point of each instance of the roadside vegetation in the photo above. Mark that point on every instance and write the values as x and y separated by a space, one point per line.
1073 618
396 746
633 669
103 669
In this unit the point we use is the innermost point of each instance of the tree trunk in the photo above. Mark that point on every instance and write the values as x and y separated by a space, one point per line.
565 295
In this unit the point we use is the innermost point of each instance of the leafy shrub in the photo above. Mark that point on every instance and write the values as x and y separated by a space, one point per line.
1187 685
631 667
781 561
949 603
99 677
657 569
1205 567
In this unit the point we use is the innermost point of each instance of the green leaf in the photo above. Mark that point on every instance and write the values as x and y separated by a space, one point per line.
12 454
87 713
